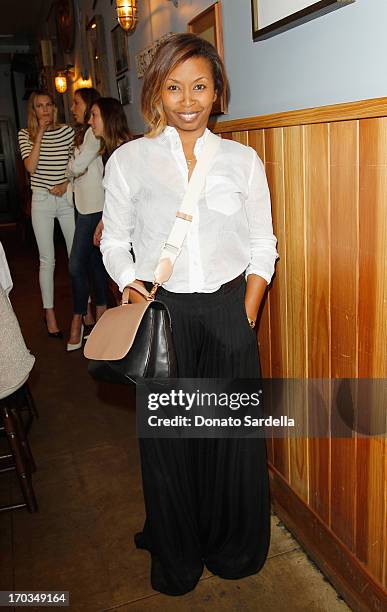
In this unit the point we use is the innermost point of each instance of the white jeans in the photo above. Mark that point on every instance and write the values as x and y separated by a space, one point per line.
45 207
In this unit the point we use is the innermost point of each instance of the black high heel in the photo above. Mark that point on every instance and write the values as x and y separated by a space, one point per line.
87 328
57 334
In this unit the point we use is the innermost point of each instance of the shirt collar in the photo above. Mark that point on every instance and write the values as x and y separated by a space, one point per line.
170 136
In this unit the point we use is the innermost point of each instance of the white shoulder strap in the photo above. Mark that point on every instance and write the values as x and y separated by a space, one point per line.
172 246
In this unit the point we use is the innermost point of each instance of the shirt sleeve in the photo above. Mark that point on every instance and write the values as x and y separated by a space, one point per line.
24 144
263 252
88 153
118 222
71 145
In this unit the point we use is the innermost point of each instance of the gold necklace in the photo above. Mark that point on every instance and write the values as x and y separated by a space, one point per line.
190 162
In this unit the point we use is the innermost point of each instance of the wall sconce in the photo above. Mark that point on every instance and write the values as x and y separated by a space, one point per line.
61 82
127 14
61 79
82 82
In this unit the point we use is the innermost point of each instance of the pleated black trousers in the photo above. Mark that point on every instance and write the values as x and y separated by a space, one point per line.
206 500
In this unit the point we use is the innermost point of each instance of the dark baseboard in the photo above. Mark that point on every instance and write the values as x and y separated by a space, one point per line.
349 577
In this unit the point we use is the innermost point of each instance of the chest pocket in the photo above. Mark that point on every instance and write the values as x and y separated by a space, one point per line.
223 195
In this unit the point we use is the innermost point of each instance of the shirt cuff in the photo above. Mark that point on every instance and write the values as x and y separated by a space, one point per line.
263 274
125 279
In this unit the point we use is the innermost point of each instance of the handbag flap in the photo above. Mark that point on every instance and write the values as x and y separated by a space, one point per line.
112 337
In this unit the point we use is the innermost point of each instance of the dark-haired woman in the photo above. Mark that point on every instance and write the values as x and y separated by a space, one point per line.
109 124
206 500
86 172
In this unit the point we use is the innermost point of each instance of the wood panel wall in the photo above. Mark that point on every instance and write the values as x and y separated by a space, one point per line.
325 314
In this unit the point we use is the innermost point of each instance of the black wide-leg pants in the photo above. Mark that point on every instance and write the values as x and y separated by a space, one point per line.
206 500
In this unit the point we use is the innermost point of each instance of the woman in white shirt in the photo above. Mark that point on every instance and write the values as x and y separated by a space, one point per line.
207 500
110 125
86 171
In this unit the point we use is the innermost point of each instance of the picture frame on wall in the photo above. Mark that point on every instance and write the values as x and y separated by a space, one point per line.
145 56
65 24
208 25
120 50
96 48
270 18
124 89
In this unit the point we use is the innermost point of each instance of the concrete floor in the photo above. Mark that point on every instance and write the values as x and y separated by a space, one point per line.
88 486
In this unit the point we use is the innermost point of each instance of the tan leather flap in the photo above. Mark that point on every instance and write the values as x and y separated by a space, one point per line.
114 334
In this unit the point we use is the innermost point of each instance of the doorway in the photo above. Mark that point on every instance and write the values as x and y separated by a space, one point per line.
9 195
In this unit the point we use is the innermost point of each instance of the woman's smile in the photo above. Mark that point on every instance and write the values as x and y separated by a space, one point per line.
189 116
188 95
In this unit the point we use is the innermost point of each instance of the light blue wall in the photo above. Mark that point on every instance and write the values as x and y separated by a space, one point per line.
340 57
156 18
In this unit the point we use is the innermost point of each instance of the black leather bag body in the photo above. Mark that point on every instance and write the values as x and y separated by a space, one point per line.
152 354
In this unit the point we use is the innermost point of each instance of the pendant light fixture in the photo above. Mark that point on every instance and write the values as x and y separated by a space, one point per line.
127 14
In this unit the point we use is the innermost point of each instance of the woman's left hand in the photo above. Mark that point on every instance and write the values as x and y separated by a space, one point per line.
255 289
59 190
251 313
98 234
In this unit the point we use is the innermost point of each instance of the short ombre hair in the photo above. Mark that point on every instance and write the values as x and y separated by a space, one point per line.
174 51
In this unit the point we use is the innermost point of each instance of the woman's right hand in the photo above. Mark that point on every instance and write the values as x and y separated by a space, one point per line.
43 123
31 162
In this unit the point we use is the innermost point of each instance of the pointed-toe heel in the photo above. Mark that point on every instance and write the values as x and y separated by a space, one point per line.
74 347
57 334
88 328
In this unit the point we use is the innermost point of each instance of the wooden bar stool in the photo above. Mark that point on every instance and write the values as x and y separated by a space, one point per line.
26 405
20 457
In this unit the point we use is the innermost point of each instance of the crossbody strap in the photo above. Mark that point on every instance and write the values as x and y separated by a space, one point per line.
174 243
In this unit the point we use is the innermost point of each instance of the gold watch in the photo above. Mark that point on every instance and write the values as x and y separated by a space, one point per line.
251 322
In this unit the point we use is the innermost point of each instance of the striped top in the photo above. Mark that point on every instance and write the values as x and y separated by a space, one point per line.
55 150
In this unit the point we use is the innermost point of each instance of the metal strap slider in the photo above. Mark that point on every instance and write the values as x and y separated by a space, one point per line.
174 250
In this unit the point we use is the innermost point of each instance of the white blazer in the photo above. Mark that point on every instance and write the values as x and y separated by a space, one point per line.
85 171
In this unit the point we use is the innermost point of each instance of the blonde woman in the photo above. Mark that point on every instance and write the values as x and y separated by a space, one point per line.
46 147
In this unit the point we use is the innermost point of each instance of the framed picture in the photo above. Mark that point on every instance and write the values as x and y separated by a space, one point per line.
120 49
97 54
65 24
124 90
270 18
145 56
208 25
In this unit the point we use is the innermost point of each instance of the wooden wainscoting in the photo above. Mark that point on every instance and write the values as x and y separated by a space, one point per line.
325 316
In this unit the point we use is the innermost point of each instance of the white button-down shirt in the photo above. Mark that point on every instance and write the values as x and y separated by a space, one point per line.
231 231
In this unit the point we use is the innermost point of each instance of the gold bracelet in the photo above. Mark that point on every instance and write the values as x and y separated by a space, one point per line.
251 322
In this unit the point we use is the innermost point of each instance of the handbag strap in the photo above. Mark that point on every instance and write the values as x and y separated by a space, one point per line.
172 247
137 287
